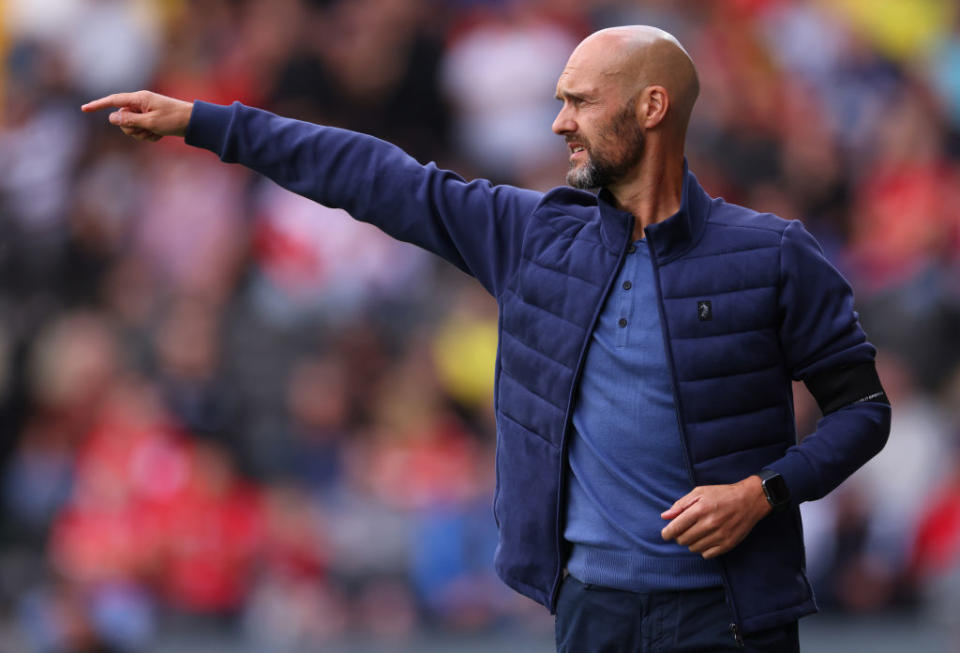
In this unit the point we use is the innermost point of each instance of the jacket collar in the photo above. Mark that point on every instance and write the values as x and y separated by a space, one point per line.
669 238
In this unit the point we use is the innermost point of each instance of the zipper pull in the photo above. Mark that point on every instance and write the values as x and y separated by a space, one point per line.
738 638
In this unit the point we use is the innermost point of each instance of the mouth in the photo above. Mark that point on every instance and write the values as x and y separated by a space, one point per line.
575 149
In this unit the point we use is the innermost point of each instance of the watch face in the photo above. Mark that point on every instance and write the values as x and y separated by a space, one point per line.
776 490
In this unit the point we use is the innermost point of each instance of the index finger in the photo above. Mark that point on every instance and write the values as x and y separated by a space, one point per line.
680 505
679 524
117 100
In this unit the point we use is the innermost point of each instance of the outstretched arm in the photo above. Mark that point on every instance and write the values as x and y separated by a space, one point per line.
144 115
476 226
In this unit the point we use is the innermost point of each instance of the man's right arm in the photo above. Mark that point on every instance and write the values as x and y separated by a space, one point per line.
476 226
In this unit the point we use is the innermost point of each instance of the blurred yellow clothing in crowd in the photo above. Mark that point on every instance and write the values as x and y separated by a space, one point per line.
900 29
465 350
171 10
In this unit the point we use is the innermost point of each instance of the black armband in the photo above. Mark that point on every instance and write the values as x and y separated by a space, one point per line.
845 385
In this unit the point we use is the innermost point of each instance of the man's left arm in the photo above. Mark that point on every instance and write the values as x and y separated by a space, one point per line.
825 347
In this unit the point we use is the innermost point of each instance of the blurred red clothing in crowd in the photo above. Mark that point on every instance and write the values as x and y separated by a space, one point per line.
905 217
212 532
153 506
936 548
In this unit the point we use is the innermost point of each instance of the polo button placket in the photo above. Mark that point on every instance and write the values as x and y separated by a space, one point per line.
626 299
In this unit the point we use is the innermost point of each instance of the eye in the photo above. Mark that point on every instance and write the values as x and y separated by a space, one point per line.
573 100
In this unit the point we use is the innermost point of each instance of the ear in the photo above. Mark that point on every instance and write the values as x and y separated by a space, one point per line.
653 105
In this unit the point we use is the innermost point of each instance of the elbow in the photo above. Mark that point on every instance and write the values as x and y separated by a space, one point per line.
872 421
882 419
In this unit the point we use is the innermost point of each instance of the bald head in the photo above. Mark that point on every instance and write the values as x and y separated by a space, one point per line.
636 57
627 95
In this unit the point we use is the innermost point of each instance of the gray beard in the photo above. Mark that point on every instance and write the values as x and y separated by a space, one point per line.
585 177
600 174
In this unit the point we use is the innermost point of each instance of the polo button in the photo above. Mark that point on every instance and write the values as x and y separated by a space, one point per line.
631 249
622 322
627 285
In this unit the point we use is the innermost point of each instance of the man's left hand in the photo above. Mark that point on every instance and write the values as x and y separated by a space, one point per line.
712 519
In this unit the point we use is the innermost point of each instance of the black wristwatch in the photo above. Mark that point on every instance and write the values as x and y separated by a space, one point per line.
775 489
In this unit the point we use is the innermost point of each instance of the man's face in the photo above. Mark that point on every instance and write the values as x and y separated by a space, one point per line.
602 133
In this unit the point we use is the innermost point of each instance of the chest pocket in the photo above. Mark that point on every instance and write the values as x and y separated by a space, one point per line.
717 314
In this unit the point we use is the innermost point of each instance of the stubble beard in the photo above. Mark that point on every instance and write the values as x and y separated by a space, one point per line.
601 169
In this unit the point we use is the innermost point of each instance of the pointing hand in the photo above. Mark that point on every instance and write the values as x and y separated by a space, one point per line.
144 115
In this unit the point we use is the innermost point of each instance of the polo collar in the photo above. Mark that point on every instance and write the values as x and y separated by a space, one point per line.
672 236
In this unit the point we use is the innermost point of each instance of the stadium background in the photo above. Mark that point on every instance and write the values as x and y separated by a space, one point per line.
234 420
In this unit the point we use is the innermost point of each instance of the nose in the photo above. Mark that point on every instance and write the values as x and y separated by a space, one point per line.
563 123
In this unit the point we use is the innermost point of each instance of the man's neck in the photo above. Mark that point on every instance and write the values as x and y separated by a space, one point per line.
653 193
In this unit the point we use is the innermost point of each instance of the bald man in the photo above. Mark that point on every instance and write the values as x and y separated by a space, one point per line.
648 468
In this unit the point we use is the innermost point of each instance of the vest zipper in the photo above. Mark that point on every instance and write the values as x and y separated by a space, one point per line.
561 485
668 350
737 637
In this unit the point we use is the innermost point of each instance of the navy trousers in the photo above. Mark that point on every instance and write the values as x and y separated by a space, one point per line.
593 619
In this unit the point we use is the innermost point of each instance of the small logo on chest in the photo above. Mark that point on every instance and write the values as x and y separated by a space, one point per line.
704 310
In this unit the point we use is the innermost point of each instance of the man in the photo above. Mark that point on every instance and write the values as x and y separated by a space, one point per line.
648 469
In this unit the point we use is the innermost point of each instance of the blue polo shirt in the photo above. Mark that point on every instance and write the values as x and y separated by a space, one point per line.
625 459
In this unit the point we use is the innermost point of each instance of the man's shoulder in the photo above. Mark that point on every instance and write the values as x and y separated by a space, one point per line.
569 201
737 230
568 211
728 216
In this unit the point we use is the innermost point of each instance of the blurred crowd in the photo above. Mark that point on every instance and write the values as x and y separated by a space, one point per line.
225 408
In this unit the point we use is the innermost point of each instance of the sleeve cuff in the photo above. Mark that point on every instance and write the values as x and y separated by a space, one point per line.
800 477
208 126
